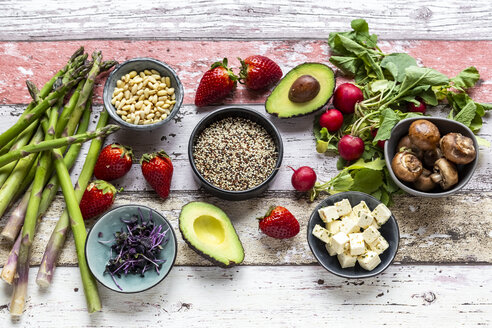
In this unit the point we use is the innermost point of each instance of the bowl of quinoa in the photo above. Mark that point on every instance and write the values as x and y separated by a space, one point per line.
235 153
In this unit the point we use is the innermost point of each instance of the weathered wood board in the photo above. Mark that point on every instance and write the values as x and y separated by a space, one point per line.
449 230
240 19
38 61
291 296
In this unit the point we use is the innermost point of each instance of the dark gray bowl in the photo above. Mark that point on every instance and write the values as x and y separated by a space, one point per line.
140 64
389 231
236 112
445 126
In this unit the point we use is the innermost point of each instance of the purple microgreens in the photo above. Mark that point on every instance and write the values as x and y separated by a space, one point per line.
138 247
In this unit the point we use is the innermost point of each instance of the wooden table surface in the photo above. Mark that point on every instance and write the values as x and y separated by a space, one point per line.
442 275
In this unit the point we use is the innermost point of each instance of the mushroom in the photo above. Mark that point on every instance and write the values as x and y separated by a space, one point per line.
431 156
406 166
406 144
445 173
424 181
457 148
424 134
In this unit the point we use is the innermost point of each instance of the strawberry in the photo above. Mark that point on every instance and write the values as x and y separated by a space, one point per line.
113 162
279 223
215 84
157 169
97 199
258 72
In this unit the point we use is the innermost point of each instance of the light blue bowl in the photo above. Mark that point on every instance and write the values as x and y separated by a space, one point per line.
139 65
98 254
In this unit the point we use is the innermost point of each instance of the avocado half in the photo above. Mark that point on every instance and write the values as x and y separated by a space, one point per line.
209 232
278 102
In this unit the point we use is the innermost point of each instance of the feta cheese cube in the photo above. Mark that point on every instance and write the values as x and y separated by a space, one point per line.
370 234
375 225
334 226
330 250
364 220
361 207
369 260
381 213
343 207
379 245
321 233
349 225
339 242
346 260
357 246
328 213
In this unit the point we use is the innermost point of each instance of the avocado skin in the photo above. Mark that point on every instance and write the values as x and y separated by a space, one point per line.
201 253
289 79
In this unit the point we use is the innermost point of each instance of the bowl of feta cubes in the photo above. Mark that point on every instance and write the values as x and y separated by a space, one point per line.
353 235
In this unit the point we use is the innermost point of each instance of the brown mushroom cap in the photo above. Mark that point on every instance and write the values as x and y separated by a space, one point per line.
406 144
424 181
406 166
431 156
424 134
445 173
457 148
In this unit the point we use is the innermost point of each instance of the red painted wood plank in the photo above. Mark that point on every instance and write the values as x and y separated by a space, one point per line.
39 60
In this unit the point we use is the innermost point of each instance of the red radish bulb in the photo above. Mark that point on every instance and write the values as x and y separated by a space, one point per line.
350 147
380 143
411 107
332 120
346 96
303 179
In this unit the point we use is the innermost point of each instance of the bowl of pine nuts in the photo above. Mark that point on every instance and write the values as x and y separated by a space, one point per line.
143 94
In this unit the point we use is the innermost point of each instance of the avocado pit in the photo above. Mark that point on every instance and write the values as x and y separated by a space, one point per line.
304 89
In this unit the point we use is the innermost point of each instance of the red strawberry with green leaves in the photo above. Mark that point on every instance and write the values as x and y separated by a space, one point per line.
97 199
157 169
279 223
215 84
259 72
113 162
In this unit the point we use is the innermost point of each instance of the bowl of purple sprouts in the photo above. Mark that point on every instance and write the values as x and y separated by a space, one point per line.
131 248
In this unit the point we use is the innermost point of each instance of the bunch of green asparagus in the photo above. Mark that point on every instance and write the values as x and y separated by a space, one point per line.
36 154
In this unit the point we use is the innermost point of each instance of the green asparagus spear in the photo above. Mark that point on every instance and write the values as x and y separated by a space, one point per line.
84 96
8 190
79 233
29 228
35 113
56 143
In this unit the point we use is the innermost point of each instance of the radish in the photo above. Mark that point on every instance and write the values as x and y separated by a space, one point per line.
350 147
411 107
346 96
380 143
332 120
303 179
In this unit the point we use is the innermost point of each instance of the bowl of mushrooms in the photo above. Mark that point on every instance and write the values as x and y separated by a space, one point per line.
431 156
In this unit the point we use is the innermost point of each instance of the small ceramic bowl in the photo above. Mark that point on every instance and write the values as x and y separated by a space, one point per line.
236 112
139 65
98 254
445 126
389 231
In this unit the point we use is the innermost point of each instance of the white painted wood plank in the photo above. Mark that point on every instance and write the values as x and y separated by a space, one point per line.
450 230
299 149
309 296
241 19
